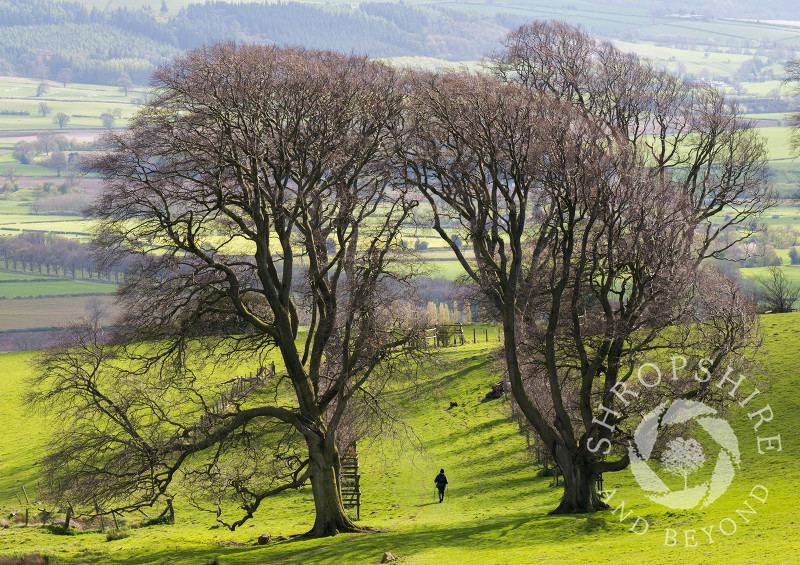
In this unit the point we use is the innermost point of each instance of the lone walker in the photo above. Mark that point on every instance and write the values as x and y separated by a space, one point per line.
441 483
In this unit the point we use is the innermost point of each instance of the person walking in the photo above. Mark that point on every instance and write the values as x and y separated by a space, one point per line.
441 483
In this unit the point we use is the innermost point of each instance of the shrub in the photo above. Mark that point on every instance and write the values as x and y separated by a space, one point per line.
165 519
58 530
117 534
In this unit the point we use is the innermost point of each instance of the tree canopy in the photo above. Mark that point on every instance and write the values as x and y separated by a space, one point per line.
223 195
590 187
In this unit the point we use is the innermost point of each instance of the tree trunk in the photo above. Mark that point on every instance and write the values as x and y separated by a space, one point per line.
331 518
580 493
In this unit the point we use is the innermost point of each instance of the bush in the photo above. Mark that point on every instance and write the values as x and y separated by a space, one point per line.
166 519
58 530
113 535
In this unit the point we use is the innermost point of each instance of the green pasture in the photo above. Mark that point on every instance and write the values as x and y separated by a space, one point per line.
83 103
12 207
495 509
700 62
29 170
777 140
7 276
16 88
60 287
792 271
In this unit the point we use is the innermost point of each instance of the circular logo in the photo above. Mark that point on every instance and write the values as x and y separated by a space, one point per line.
683 456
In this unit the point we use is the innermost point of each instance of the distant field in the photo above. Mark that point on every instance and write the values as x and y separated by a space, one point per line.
777 142
33 313
83 103
782 216
6 276
53 288
792 272
25 170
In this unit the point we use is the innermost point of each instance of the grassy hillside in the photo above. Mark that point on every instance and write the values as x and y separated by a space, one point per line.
496 507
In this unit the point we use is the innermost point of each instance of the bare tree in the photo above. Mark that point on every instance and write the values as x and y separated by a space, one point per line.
44 109
776 291
64 76
589 186
223 194
108 120
125 84
61 119
10 172
57 161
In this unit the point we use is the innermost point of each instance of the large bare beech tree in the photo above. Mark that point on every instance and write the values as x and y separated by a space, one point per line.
591 188
251 193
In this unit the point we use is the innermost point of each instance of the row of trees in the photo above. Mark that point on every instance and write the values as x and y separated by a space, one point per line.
443 314
46 253
588 185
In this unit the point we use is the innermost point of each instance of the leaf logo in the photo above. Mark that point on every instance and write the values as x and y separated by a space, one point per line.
683 456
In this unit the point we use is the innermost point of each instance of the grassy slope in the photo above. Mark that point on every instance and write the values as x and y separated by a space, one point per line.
495 511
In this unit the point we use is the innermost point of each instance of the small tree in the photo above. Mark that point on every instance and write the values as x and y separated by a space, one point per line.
433 316
108 120
683 458
794 256
10 172
44 109
42 89
467 312
64 76
776 292
57 162
45 142
61 119
24 151
444 313
125 84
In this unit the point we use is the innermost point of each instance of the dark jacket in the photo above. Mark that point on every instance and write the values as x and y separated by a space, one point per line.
440 481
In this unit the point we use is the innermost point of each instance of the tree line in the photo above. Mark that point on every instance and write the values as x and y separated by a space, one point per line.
587 184
51 254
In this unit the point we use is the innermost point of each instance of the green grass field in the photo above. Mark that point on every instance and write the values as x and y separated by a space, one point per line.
495 511
53 288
